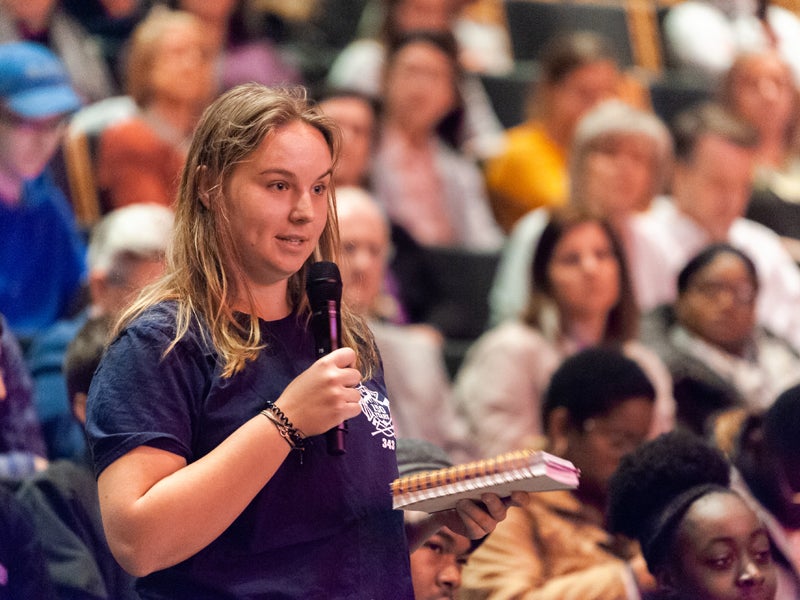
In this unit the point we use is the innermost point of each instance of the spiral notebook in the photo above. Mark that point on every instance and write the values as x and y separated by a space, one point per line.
525 470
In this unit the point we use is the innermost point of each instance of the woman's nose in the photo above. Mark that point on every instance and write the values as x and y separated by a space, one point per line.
750 575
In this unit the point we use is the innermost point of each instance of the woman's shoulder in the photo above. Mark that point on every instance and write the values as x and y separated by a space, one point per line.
158 325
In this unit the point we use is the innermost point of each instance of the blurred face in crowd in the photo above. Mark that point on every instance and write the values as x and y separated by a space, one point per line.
762 91
713 186
114 290
719 303
584 273
722 552
420 87
581 89
183 66
436 565
34 13
619 174
356 120
600 443
26 146
364 237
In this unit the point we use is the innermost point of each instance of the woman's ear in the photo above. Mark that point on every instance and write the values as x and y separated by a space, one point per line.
557 430
205 194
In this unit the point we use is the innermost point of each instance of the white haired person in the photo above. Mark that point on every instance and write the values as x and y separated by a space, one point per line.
126 252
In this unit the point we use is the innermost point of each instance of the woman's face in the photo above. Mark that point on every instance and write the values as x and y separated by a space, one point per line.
356 119
597 449
420 87
579 91
619 174
183 68
763 92
722 552
719 304
278 202
26 146
584 273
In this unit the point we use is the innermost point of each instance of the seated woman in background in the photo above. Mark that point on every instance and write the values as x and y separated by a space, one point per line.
765 451
620 160
700 538
578 70
580 297
170 76
759 89
428 188
718 356
598 407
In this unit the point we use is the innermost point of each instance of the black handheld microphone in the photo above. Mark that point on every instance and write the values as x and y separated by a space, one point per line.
324 290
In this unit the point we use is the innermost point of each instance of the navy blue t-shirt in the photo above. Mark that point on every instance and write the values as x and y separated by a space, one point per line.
321 528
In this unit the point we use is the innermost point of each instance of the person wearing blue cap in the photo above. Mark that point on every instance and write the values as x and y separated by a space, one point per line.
42 257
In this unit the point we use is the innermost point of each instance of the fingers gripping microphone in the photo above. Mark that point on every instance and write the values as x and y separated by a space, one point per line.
324 290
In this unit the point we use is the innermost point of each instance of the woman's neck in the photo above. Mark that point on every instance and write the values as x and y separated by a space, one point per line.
417 138
587 330
180 116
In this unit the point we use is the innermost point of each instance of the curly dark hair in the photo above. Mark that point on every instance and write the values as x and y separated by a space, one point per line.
654 486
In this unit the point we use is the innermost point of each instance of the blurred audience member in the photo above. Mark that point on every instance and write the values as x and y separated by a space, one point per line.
766 454
620 160
437 563
580 297
759 89
245 55
700 539
428 188
110 23
46 22
22 449
23 571
704 37
62 499
718 356
126 252
414 368
598 407
711 185
578 70
361 65
355 114
41 253
170 76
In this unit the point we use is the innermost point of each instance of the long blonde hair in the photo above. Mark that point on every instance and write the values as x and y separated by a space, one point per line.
203 264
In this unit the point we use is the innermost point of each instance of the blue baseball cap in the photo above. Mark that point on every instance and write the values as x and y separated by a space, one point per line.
34 83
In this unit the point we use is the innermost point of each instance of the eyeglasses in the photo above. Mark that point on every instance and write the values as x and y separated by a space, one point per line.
744 294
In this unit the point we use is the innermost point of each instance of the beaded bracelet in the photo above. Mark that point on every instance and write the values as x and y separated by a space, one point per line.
293 436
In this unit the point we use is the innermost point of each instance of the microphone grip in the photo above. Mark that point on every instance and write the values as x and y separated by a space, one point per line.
334 437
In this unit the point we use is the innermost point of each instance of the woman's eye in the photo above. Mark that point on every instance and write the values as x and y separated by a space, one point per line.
721 563
320 189
279 185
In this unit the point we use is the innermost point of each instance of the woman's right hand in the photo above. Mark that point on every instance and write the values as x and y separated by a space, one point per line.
323 395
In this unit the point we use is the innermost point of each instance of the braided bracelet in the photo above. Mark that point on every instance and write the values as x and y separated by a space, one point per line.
293 436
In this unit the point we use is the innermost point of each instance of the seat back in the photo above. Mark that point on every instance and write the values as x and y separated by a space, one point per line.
531 23
80 147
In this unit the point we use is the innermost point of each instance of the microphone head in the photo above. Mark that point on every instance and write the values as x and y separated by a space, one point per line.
323 283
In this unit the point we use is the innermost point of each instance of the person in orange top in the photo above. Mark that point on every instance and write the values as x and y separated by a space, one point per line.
171 78
578 70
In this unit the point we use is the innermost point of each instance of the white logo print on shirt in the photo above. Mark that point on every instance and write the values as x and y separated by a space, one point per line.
376 408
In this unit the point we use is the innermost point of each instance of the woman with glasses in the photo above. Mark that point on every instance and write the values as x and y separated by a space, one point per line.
709 339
